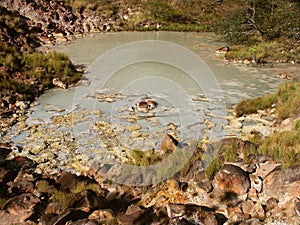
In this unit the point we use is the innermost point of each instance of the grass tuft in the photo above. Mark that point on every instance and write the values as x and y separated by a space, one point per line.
287 101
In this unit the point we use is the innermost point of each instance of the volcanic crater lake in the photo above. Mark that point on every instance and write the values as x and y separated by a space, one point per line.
181 71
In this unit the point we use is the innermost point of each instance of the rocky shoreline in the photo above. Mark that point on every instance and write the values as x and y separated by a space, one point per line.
248 189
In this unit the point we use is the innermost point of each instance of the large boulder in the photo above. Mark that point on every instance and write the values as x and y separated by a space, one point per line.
232 178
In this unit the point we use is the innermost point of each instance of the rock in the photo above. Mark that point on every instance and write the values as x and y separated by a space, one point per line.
168 144
21 105
67 181
292 174
86 222
21 187
247 206
133 215
232 178
45 219
18 209
256 182
175 210
273 184
297 208
235 215
70 215
271 203
193 214
211 220
223 50
7 218
253 221
58 83
88 201
103 215
258 212
21 203
263 169
54 208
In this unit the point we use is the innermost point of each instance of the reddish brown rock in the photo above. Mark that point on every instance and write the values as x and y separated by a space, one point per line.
104 215
70 215
258 212
273 184
86 222
271 203
247 206
133 215
231 178
18 209
54 208
168 144
263 169
88 201
67 181
21 204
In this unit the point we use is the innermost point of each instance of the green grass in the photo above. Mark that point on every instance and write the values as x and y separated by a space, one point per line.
270 51
286 100
33 66
284 147
249 106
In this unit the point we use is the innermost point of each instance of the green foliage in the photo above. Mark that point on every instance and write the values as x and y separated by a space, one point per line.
253 20
35 71
163 12
42 186
272 50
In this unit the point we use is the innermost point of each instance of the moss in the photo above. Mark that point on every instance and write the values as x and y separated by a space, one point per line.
66 198
213 168
42 186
